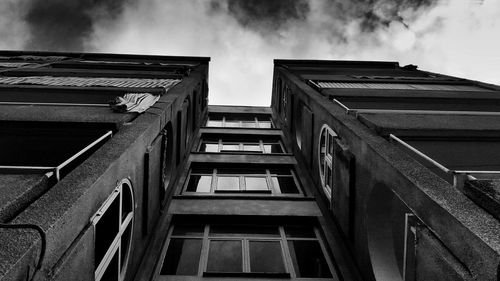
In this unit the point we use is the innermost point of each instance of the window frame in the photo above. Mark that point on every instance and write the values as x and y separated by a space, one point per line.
256 121
282 238
261 143
272 190
326 164
116 245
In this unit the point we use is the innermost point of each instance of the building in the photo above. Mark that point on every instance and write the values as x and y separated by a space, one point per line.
357 171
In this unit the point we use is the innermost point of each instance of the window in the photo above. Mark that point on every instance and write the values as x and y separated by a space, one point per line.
257 146
326 159
113 226
246 250
240 122
232 180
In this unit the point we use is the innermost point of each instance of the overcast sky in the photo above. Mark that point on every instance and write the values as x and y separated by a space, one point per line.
242 37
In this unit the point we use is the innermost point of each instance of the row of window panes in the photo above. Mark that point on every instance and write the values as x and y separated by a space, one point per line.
255 147
326 159
273 181
294 251
240 123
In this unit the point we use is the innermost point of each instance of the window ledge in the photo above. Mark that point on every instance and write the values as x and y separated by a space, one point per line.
244 196
247 274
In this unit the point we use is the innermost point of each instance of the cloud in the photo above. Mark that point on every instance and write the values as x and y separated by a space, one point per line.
243 37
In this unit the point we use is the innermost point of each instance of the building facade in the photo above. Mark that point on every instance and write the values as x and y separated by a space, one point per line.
357 171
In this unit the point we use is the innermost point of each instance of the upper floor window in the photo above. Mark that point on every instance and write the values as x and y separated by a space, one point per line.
326 158
262 122
113 225
242 250
256 146
234 180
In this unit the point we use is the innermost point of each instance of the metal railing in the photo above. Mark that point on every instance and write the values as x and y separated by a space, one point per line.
458 176
56 170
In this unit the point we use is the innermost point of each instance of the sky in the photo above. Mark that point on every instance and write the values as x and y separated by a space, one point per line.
242 37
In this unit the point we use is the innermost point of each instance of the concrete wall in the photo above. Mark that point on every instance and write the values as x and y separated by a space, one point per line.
138 151
372 176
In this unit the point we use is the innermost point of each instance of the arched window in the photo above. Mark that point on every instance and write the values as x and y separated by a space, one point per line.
326 158
113 227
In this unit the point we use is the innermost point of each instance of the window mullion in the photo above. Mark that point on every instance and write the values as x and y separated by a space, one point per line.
325 252
270 184
246 255
213 185
286 253
242 183
202 266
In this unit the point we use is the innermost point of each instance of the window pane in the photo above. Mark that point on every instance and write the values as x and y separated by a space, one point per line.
189 230
199 183
248 124
330 144
265 256
228 183
106 230
244 230
265 124
283 172
308 259
209 147
329 177
225 256
322 152
111 272
256 183
299 232
285 184
273 148
124 247
127 201
214 123
231 147
252 147
182 258
233 123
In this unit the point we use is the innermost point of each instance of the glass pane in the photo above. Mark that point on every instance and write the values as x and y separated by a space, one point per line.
322 152
244 230
329 177
308 259
248 124
214 123
284 172
252 147
209 147
265 124
199 183
124 247
228 183
265 256
127 201
189 230
182 258
225 256
256 183
233 124
231 147
285 184
273 148
299 232
106 230
330 144
111 272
